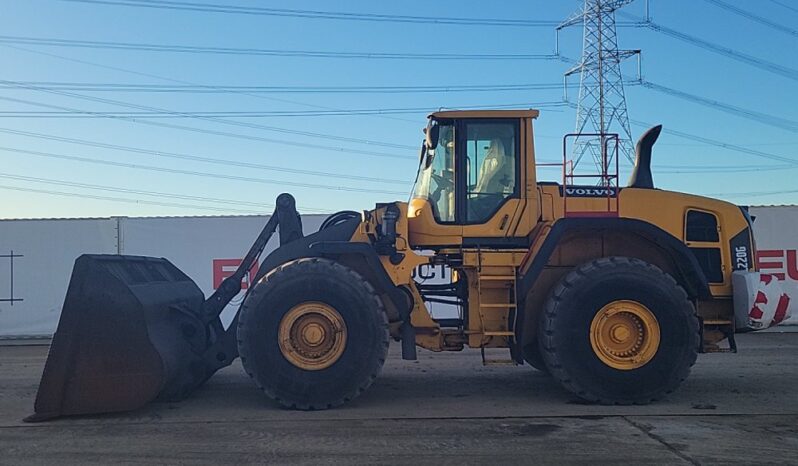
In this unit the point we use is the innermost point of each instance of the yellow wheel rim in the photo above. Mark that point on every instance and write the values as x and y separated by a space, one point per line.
312 336
625 335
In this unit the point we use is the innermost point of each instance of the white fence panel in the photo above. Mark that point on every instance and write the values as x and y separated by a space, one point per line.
776 233
207 249
44 251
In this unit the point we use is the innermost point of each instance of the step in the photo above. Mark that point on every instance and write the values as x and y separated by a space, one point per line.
498 362
498 305
497 277
501 333
717 349
449 322
717 322
493 361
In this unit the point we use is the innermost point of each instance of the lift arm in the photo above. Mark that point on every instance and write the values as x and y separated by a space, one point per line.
286 216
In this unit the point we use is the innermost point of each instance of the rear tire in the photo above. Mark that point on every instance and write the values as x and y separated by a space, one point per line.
534 357
316 366
664 335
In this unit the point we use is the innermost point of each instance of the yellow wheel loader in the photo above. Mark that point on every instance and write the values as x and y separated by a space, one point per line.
612 290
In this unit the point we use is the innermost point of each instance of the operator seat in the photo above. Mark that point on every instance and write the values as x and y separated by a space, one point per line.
497 174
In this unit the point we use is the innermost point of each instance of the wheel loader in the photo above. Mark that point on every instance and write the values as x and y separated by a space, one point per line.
611 290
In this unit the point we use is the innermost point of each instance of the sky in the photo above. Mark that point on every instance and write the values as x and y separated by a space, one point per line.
117 164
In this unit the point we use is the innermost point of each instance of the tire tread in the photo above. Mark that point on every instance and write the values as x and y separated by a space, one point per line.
547 335
304 266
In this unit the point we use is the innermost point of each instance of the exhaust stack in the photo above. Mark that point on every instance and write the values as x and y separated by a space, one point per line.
641 175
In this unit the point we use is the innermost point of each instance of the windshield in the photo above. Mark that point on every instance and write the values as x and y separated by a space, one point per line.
435 179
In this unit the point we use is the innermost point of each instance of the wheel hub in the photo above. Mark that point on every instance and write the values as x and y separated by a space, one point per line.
620 333
312 336
625 335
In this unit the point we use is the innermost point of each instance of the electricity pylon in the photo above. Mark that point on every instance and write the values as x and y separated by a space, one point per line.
602 102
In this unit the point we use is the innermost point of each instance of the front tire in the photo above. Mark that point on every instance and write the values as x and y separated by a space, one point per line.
618 330
313 334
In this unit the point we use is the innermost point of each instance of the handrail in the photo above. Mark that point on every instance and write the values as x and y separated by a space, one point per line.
605 176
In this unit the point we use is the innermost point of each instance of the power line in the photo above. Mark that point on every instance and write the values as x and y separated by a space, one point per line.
771 120
721 144
395 89
49 85
703 170
748 144
196 158
330 15
713 142
753 17
790 73
116 68
756 193
675 169
171 48
134 191
775 68
700 139
205 118
790 164
82 142
202 174
208 118
782 4
264 114
125 200
180 81
209 131
316 14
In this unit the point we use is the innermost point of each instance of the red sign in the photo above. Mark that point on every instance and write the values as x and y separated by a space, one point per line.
780 262
223 268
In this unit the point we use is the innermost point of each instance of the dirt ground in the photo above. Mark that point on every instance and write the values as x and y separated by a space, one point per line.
443 409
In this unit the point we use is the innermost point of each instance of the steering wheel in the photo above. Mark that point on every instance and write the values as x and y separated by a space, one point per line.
443 182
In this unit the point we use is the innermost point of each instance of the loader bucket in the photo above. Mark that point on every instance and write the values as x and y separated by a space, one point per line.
129 332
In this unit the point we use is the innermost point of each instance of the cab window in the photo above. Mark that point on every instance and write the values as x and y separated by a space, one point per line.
491 167
436 181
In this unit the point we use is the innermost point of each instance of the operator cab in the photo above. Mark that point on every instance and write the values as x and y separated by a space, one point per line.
472 175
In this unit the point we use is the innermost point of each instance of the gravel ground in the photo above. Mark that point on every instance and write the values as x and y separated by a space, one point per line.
445 408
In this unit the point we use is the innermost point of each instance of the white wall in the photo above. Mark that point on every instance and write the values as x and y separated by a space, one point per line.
776 233
196 244
50 247
41 276
201 246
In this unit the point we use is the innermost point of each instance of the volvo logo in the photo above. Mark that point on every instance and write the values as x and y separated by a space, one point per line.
588 191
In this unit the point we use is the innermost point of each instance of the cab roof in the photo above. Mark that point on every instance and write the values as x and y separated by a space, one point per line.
530 113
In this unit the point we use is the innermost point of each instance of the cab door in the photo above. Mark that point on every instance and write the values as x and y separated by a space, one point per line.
490 167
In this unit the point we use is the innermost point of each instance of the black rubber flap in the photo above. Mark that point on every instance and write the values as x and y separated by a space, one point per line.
128 333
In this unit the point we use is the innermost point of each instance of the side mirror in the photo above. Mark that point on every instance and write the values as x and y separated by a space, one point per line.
433 132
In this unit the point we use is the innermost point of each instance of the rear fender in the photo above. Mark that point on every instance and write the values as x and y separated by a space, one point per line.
674 256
